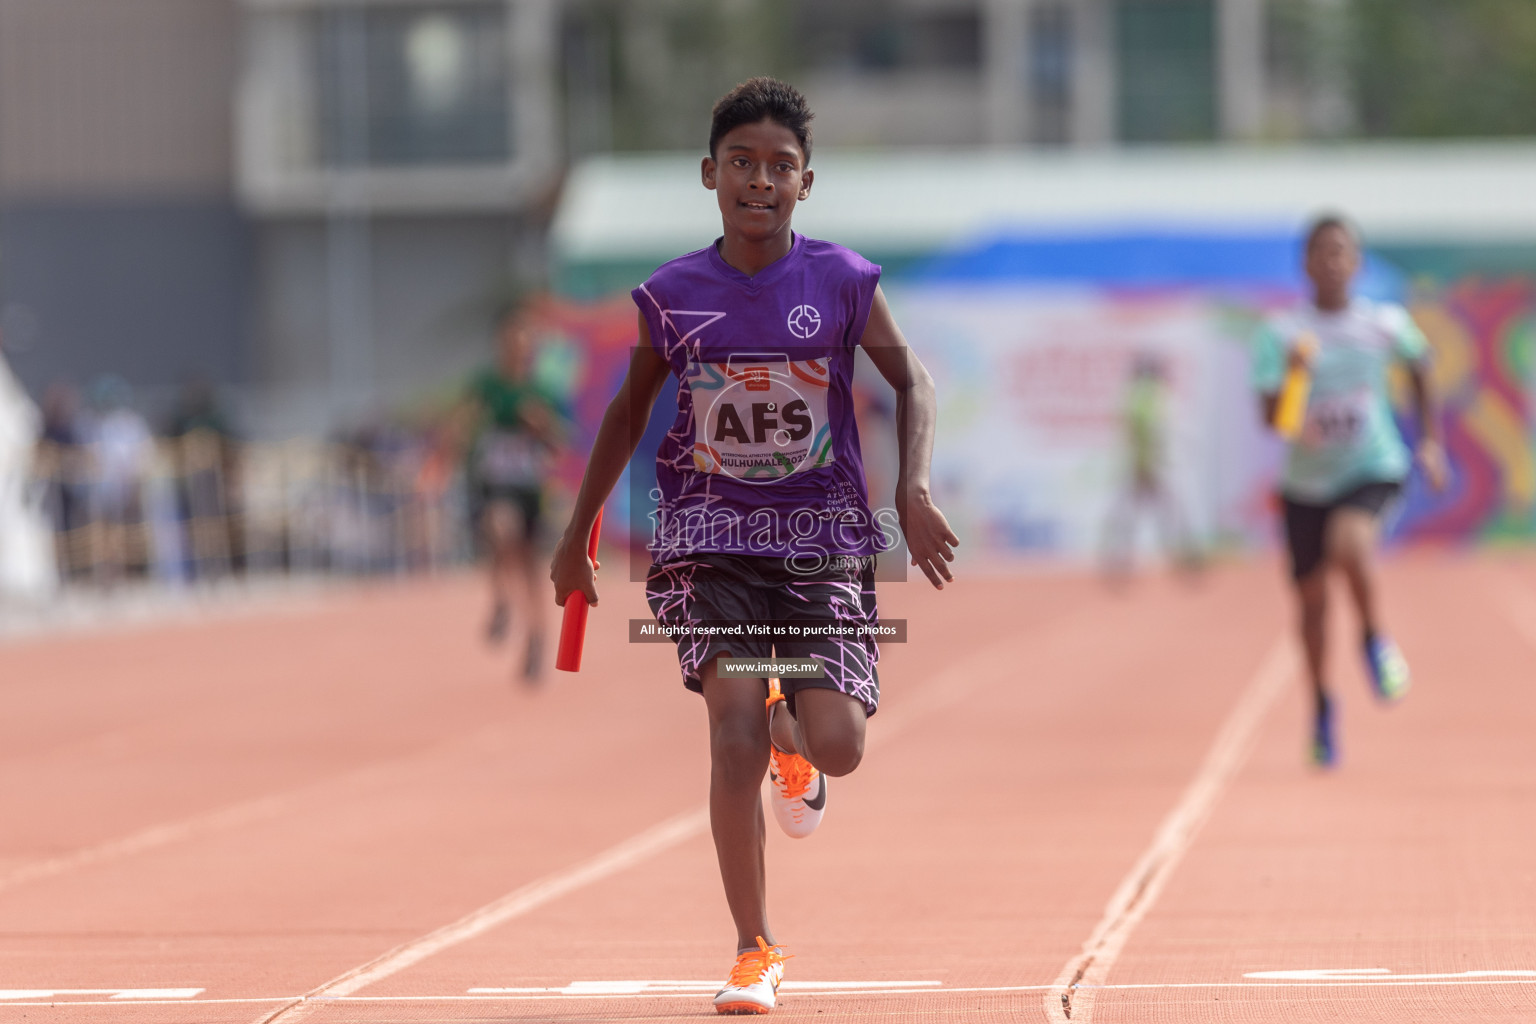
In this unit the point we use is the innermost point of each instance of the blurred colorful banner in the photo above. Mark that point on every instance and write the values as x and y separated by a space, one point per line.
1033 341
1484 337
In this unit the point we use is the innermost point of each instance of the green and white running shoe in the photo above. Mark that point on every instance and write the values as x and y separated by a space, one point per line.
1388 668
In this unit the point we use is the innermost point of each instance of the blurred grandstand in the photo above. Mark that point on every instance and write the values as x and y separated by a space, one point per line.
203 506
196 504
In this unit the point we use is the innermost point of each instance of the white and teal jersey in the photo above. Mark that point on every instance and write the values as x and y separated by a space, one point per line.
1348 437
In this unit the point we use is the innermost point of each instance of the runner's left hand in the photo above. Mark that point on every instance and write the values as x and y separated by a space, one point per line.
571 570
929 538
1431 459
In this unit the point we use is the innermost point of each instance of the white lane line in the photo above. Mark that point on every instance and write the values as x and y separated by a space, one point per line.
1520 608
259 809
634 988
997 989
114 993
516 903
145 839
1340 983
1071 996
145 1002
947 688
1400 981
1377 974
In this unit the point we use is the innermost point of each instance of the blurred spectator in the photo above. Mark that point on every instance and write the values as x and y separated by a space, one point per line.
62 424
373 497
203 504
122 448
64 468
206 458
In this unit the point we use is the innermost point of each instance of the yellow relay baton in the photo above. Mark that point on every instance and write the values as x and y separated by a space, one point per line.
1291 406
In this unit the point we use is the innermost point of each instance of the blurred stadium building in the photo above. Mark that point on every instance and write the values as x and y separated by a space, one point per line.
324 198
316 201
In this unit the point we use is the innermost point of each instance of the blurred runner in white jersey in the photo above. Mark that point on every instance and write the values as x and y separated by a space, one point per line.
1349 462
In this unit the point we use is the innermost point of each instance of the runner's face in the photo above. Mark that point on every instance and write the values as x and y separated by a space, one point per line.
1332 260
758 174
512 347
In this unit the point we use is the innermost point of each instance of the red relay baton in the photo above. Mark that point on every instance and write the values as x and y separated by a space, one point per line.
573 625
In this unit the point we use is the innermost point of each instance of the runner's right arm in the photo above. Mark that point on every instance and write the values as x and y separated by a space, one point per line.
617 438
929 538
1269 401
1274 357
1430 452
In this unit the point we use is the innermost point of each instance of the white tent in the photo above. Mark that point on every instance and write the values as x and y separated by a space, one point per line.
654 207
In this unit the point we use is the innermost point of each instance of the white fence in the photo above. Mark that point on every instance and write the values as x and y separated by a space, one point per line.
203 507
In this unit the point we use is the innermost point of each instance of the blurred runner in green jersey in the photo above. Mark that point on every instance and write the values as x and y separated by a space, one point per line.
1144 418
517 425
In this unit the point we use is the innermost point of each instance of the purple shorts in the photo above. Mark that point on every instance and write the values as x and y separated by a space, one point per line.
722 588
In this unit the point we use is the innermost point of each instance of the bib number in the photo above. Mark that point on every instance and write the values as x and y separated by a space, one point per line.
511 458
1337 420
760 418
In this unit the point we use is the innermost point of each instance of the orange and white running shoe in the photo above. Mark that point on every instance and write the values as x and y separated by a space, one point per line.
753 986
799 790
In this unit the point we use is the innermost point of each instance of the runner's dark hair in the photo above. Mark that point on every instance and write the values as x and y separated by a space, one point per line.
1323 221
762 99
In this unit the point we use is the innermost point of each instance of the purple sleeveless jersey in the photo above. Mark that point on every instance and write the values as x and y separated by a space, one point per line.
763 458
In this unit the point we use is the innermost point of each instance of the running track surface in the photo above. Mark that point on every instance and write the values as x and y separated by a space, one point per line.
204 821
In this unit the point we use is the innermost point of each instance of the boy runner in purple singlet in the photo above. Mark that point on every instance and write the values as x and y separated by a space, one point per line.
763 515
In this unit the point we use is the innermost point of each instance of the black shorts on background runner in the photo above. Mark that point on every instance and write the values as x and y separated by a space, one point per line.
527 501
1306 524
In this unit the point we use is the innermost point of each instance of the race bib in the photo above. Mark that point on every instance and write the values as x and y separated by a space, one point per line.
511 458
1337 420
760 418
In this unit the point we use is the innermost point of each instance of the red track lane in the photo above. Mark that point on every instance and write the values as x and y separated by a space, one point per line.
1418 856
257 805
